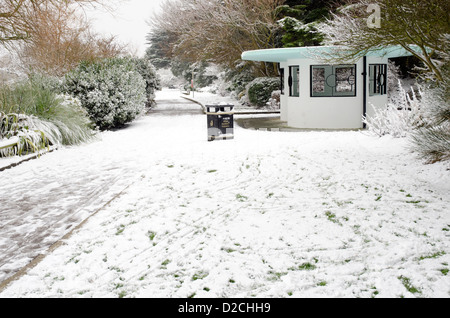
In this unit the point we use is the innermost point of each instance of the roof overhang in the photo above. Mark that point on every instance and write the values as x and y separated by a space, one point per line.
319 52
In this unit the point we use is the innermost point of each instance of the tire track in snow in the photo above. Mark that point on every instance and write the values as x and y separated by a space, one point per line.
40 203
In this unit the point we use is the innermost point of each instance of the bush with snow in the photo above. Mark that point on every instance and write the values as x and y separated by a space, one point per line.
424 118
398 119
203 73
17 135
112 91
274 101
151 78
432 140
259 91
34 116
168 79
238 79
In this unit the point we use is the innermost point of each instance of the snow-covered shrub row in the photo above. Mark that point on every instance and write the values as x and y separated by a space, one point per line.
112 91
259 91
238 79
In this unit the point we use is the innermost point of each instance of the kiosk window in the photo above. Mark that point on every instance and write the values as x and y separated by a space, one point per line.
377 79
333 80
294 81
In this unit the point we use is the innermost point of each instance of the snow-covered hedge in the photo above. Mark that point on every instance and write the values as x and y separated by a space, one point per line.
259 91
112 91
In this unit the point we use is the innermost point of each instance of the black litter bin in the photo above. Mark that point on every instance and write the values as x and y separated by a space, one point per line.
220 122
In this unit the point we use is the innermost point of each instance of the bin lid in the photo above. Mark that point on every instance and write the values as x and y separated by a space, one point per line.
219 107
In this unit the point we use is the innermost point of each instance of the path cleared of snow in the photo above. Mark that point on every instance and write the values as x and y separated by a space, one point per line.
268 214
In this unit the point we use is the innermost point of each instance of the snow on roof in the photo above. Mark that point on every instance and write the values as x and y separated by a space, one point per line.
315 52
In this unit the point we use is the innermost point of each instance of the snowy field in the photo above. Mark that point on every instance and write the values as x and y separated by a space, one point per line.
268 214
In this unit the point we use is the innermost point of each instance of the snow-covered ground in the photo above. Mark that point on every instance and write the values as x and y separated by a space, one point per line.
268 214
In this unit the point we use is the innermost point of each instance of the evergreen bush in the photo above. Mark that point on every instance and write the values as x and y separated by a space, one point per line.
259 91
238 79
152 80
112 91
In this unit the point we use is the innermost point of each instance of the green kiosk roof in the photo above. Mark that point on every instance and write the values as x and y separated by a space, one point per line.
316 52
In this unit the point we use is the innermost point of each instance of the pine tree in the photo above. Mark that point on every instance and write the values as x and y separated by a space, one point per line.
299 18
158 51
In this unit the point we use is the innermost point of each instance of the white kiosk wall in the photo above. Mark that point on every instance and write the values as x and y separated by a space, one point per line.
330 112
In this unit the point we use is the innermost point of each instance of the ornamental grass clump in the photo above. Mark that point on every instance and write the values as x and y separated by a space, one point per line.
432 140
17 137
34 117
111 91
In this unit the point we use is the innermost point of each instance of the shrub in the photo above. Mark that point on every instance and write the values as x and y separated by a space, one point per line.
68 123
432 140
200 70
259 91
425 120
151 78
28 97
46 82
238 79
36 117
274 101
399 119
17 137
112 91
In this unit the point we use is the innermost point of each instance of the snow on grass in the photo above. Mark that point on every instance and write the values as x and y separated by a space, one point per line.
268 214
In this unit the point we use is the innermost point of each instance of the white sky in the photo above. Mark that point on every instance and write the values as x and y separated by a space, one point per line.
128 21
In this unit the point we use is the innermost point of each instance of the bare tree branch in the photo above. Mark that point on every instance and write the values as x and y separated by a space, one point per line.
218 30
403 22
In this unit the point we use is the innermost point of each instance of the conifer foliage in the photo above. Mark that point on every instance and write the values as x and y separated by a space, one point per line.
112 91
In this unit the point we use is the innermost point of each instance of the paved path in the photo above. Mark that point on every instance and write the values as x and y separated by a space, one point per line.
42 200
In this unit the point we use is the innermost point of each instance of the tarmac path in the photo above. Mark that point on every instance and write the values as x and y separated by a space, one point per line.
44 199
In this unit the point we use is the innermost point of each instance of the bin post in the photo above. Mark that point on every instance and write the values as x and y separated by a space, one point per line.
220 122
